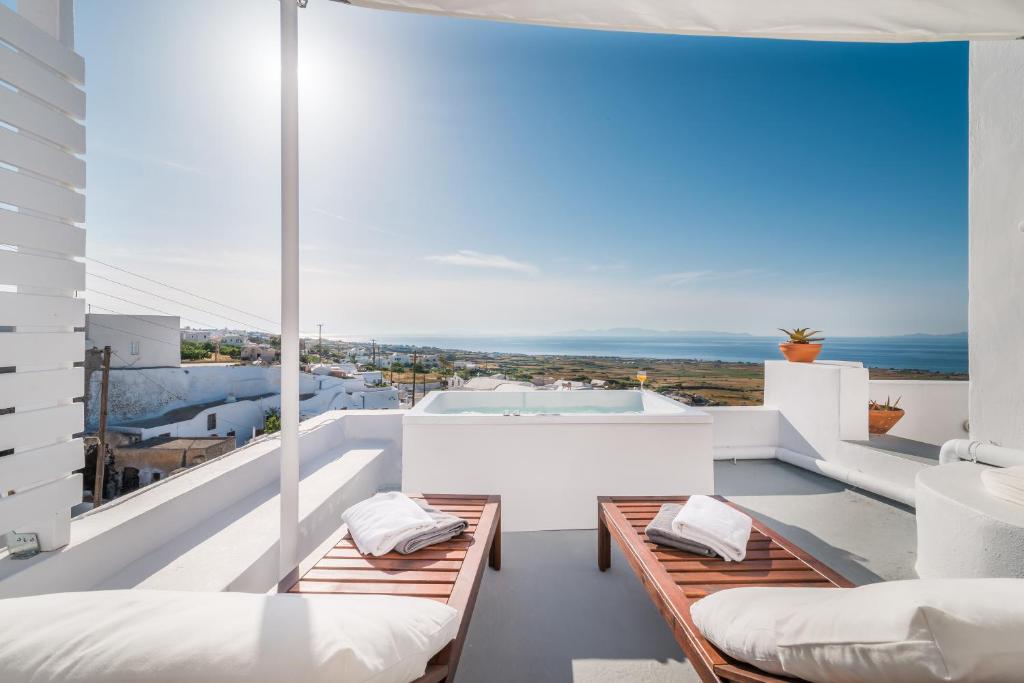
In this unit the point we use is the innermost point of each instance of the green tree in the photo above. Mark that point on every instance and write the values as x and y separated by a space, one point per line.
231 351
271 421
193 351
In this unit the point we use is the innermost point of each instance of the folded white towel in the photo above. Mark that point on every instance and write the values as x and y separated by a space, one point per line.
379 523
1006 483
711 522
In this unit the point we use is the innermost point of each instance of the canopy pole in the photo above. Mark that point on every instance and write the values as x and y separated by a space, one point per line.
289 291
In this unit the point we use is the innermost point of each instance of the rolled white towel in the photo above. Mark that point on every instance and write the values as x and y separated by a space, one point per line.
711 522
1006 483
379 523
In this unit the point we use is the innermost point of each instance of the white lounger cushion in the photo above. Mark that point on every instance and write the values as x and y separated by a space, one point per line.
955 630
179 637
741 621
949 630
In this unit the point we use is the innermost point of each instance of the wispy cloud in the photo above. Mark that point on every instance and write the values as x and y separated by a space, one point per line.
606 267
147 159
683 278
687 277
474 259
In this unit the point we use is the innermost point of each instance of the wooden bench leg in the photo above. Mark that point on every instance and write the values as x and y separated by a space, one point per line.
494 559
604 543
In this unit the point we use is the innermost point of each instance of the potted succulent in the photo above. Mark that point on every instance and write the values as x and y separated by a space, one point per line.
802 346
883 416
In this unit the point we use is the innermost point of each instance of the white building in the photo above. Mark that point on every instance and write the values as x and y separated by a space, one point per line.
232 339
135 341
200 336
259 352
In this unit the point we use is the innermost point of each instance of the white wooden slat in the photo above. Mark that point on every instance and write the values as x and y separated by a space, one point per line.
39 157
25 113
23 230
41 427
40 503
29 468
27 37
17 268
29 76
27 192
34 310
43 387
41 349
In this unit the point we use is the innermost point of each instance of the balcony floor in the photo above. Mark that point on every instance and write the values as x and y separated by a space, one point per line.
550 615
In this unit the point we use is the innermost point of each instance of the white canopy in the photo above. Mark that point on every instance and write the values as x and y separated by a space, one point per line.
891 21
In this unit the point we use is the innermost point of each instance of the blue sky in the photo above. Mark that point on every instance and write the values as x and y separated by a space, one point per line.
468 177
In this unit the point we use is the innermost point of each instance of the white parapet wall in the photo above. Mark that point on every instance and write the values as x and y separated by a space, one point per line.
744 432
821 404
936 411
215 526
823 427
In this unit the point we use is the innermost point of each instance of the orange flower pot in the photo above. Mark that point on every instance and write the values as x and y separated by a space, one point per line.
881 421
800 353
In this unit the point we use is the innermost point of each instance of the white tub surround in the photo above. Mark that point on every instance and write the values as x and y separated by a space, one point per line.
551 465
964 531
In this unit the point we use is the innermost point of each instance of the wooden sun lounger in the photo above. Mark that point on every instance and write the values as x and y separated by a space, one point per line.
448 572
674 579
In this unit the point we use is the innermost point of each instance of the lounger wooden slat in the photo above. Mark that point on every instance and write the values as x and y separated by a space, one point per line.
674 578
426 554
447 572
385 564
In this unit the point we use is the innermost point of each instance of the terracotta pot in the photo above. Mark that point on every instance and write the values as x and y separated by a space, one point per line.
881 421
800 353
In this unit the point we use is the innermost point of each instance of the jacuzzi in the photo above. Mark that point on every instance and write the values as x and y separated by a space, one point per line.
550 454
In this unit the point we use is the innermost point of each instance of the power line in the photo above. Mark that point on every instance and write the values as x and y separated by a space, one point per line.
135 303
129 315
179 289
135 334
183 291
180 303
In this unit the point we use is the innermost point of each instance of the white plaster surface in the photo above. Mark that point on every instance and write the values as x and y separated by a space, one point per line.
997 242
962 530
935 411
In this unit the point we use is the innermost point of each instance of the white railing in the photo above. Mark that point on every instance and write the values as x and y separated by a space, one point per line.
42 105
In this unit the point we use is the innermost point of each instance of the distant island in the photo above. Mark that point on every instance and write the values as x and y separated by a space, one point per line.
645 332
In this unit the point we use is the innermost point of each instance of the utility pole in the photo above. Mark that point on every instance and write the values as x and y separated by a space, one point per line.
373 352
101 453
414 380
320 345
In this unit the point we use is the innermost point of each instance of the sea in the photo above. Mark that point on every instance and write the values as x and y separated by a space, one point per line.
939 353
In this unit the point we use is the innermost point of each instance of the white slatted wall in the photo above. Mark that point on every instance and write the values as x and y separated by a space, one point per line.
42 182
